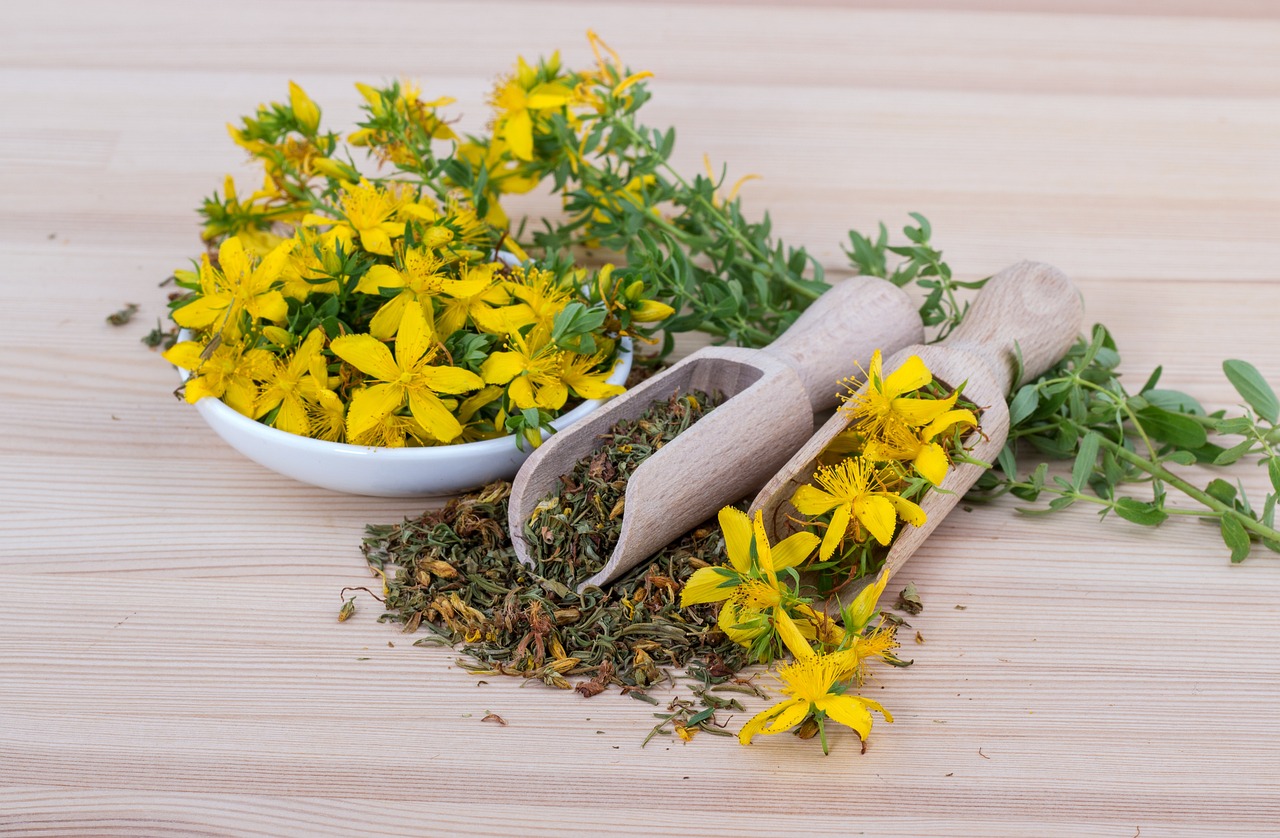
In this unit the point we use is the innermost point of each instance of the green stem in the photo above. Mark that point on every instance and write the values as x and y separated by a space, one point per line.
1162 473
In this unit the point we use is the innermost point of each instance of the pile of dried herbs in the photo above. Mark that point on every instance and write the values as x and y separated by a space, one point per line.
453 571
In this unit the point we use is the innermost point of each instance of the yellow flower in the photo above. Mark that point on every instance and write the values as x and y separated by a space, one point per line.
237 285
813 682
312 259
517 99
476 297
230 372
930 459
749 586
367 212
291 383
532 370
581 374
409 376
327 416
885 399
541 296
422 276
854 493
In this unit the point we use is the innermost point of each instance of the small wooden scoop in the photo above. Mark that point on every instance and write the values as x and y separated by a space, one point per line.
771 395
1030 305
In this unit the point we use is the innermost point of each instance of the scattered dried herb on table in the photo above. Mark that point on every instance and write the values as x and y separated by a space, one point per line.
453 571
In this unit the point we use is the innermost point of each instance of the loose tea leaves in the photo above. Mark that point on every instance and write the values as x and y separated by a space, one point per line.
453 571
579 525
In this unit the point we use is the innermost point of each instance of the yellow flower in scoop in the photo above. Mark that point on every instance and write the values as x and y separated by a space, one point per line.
814 684
899 442
229 372
749 585
885 398
853 493
408 377
291 383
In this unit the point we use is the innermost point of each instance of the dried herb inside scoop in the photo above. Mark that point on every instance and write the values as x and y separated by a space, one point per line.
453 571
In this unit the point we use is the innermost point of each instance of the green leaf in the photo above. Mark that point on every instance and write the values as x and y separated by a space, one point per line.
1085 459
1233 453
1008 462
1235 425
1172 428
1140 512
1174 400
1273 470
1235 537
1060 503
1221 490
1023 404
1152 380
1253 388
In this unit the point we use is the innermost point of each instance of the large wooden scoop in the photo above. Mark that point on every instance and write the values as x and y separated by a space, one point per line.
1029 307
771 396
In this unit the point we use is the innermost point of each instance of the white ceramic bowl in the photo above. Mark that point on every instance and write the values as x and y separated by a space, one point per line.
384 472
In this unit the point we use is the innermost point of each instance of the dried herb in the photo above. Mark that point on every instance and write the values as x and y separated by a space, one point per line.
124 315
579 525
453 571
909 600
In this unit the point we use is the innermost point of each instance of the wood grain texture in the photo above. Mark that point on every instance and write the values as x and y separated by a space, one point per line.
170 662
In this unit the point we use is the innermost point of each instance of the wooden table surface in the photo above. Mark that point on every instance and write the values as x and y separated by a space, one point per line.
170 661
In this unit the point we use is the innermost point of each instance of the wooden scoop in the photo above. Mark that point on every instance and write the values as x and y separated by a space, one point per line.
1030 305
770 394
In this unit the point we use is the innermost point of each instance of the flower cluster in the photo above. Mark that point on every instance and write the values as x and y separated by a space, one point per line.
378 310
903 434
764 610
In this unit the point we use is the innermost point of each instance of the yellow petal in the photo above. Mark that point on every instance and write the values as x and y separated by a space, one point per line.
434 417
518 133
792 714
413 340
793 549
374 240
835 533
292 417
185 355
736 527
386 321
912 375
379 277
877 515
907 510
946 420
790 634
552 395
810 500
548 95
847 710
501 367
371 405
759 720
202 312
708 584
306 111
931 463
269 306
521 392
920 412
367 354
632 79
231 257
451 379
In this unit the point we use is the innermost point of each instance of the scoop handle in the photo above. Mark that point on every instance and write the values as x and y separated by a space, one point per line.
857 312
1029 308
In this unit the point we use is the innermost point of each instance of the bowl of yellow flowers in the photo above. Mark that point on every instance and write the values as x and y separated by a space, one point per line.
375 333
460 369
